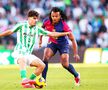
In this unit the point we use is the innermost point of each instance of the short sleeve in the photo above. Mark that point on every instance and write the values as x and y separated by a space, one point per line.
16 27
66 27
42 31
44 22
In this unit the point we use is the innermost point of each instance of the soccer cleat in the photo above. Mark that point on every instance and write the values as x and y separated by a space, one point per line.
77 80
28 81
28 86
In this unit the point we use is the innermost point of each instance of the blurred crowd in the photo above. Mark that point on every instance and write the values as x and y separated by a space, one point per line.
88 19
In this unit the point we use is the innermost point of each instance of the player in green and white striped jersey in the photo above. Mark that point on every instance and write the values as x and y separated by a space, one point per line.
27 33
26 37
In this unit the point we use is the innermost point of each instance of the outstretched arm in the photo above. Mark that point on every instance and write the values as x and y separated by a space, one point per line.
74 47
6 33
52 34
57 34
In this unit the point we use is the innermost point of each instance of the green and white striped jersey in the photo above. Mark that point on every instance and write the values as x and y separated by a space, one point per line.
26 37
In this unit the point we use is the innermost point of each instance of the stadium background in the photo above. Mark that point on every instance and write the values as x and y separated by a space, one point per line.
88 20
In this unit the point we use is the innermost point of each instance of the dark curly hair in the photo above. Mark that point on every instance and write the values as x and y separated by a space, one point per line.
56 9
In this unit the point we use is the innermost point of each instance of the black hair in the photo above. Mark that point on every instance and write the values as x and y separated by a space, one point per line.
56 9
33 13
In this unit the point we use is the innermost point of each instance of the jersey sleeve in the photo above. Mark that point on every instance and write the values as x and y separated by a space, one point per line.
16 27
66 27
44 22
43 25
42 31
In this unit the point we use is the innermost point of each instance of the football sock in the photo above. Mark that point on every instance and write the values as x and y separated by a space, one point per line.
72 70
33 76
23 74
44 73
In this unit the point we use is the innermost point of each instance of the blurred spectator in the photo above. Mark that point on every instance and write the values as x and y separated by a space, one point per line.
106 10
37 5
3 20
84 6
83 42
83 23
68 8
1 45
58 3
90 13
2 10
18 17
10 44
102 39
77 11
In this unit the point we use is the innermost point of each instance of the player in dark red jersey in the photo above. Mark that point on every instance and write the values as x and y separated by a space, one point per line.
56 23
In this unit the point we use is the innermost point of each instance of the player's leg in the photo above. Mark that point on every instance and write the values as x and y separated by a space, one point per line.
34 61
48 53
21 61
64 56
26 83
65 63
70 68
39 66
22 66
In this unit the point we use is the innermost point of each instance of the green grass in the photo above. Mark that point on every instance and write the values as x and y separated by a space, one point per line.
93 77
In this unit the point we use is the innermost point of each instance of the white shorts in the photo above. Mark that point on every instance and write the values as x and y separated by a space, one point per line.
28 58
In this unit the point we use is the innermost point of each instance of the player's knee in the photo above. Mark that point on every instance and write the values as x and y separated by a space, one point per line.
20 61
64 59
42 66
65 65
46 58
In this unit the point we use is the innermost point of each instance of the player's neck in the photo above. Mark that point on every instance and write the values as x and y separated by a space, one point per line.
54 23
30 25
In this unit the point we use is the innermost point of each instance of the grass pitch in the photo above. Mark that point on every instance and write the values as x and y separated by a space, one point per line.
93 77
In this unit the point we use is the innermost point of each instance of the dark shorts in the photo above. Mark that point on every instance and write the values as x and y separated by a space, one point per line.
62 48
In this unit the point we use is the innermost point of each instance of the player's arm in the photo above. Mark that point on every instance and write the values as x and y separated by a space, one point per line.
52 34
74 46
9 32
40 41
6 33
57 34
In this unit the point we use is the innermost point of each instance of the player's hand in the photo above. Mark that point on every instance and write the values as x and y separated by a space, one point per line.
68 33
40 45
76 57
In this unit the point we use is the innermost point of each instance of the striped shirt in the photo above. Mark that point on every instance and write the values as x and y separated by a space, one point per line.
26 37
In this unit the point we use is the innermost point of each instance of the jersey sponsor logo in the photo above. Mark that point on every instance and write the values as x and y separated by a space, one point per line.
31 35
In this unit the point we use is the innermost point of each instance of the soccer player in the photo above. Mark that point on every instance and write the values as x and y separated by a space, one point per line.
56 23
27 34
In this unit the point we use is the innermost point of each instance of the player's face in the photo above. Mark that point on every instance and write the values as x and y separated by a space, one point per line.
32 20
55 16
